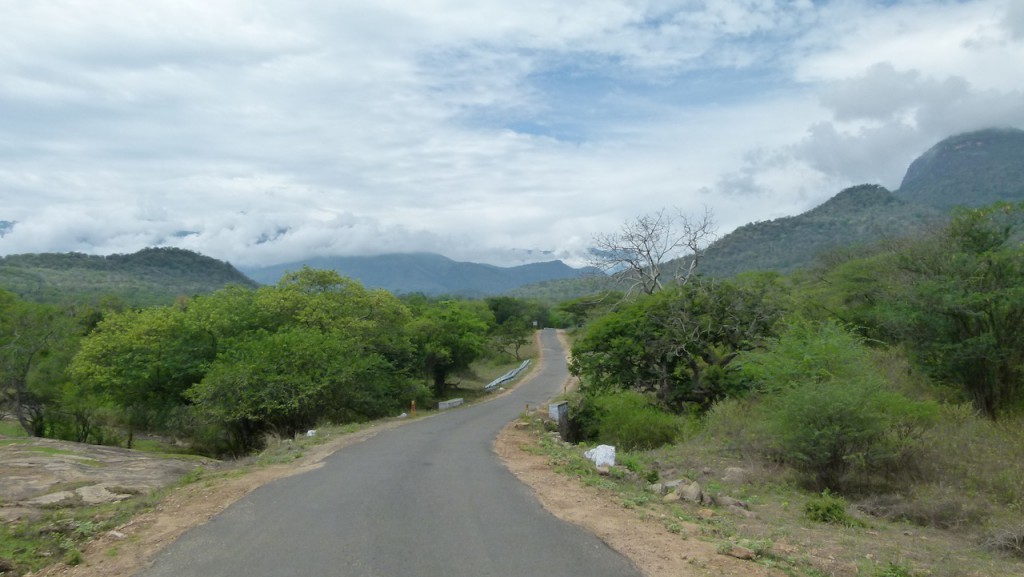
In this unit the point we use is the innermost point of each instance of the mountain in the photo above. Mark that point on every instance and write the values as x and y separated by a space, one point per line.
426 273
858 215
150 276
972 169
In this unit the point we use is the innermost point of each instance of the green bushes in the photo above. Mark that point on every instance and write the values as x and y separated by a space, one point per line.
626 419
827 410
830 508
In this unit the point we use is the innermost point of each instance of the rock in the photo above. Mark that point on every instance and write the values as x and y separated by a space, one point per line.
670 498
602 455
734 475
604 470
57 499
672 485
707 500
657 489
706 471
727 501
691 492
741 553
116 535
743 512
705 513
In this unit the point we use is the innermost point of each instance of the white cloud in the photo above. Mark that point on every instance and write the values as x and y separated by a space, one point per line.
266 132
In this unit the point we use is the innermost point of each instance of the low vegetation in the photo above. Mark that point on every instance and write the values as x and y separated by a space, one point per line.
883 389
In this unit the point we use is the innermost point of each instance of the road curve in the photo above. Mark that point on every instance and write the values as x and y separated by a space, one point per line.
428 499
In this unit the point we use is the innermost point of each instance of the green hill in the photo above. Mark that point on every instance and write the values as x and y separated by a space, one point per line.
971 169
858 215
427 273
150 276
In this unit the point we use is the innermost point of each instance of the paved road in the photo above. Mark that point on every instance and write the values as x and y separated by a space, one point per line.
428 499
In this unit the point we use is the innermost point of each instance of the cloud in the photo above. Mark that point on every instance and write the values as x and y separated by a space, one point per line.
488 130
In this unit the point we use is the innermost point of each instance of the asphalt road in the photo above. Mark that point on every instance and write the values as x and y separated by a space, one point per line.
427 499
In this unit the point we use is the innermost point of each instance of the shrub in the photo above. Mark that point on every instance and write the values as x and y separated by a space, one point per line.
1008 540
828 411
626 419
830 508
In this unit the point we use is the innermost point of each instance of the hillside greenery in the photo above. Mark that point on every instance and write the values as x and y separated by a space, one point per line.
890 375
426 273
971 170
147 277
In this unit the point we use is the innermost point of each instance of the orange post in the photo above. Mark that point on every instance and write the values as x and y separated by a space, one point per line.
413 411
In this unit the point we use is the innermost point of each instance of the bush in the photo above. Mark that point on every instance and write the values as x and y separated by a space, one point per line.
829 413
833 429
626 419
830 508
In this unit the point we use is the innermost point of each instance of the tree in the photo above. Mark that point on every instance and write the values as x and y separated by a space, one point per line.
640 252
678 343
27 332
959 305
449 335
143 361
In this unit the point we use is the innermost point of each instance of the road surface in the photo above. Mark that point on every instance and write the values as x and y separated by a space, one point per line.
428 499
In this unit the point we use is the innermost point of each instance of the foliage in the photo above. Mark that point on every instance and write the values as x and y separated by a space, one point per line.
514 322
625 419
143 362
829 508
448 335
152 276
829 412
961 305
678 343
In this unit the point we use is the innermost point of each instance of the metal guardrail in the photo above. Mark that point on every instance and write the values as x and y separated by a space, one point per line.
507 376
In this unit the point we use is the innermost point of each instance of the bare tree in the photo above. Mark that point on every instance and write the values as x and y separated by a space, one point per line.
651 245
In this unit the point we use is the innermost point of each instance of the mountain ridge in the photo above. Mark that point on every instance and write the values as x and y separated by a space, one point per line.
427 273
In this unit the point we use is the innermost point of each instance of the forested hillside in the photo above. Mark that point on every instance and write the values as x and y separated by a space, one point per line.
972 169
150 276
426 273
856 216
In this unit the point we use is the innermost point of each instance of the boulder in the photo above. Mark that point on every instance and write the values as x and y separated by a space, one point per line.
727 501
602 455
740 553
691 492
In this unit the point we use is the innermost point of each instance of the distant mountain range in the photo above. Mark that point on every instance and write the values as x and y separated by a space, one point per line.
972 169
427 273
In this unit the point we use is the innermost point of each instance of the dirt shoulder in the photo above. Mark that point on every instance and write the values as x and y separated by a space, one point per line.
652 548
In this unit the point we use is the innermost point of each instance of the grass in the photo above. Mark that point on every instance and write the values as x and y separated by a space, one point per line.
9 428
848 544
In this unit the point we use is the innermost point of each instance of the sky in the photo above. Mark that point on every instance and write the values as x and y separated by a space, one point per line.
497 131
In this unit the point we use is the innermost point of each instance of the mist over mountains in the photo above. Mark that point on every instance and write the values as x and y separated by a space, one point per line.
971 169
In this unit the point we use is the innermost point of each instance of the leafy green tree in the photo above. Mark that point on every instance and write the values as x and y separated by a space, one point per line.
678 343
143 361
449 335
28 333
959 305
